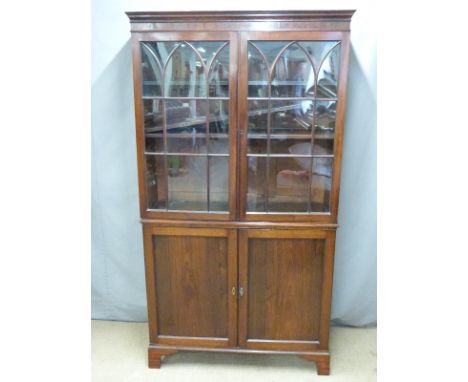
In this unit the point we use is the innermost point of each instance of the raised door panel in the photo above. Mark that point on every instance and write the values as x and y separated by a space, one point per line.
284 275
191 275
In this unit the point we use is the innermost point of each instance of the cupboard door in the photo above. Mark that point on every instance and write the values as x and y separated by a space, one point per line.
291 99
191 277
185 97
285 286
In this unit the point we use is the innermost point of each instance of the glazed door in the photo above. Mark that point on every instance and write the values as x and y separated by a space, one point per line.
191 286
291 100
284 288
185 95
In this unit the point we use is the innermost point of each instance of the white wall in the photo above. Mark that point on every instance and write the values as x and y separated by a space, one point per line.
118 289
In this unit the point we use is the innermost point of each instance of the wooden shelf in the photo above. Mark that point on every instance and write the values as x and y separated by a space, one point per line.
324 135
187 135
187 123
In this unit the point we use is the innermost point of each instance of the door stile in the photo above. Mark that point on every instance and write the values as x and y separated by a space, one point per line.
232 286
327 288
243 278
150 283
242 103
233 125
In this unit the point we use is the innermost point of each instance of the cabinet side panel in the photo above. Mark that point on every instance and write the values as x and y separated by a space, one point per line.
285 288
191 286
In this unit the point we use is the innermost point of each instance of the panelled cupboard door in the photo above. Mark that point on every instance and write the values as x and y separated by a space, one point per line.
185 86
191 276
285 281
291 108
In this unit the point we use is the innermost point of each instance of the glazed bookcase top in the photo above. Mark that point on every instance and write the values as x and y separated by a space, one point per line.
240 114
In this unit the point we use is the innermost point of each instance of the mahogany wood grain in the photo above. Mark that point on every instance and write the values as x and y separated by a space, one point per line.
339 125
327 289
238 224
155 355
190 274
331 20
197 262
322 359
322 362
281 273
191 285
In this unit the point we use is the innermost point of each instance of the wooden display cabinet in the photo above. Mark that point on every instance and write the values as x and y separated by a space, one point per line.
239 120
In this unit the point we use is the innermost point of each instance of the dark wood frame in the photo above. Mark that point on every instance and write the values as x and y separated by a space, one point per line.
327 282
237 226
328 217
188 36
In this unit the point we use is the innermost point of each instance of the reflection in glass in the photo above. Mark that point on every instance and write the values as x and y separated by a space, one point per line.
207 49
219 183
258 73
293 117
187 183
218 78
219 127
280 145
155 182
185 125
298 147
153 117
321 184
326 116
163 49
327 83
185 114
219 117
256 145
293 75
288 138
258 117
151 71
325 127
185 75
285 145
288 189
186 143
256 181
270 49
317 50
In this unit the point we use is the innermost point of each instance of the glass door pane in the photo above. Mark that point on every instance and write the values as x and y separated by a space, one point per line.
291 106
186 123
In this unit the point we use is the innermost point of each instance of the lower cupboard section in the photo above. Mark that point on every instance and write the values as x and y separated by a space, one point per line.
235 288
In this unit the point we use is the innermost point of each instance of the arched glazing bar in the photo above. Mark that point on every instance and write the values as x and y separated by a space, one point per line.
315 54
201 66
333 91
151 73
214 65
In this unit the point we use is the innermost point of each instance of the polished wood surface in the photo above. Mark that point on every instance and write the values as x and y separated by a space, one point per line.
240 281
284 289
281 272
193 271
323 20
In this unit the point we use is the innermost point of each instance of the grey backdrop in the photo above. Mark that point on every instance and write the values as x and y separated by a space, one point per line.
118 288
